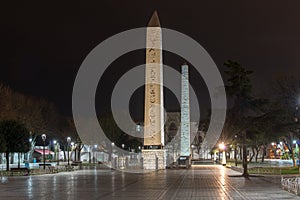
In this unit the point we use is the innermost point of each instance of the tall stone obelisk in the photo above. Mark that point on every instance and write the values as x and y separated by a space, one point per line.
185 129
153 153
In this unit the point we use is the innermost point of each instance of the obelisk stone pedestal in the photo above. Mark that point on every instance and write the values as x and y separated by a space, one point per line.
154 159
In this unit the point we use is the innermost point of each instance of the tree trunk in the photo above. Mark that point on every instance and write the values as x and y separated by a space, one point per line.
12 156
65 157
257 153
264 153
110 155
245 163
253 154
7 161
90 157
79 153
235 158
18 160
241 155
293 156
75 154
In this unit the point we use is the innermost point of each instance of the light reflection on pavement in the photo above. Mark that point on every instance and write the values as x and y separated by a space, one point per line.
201 182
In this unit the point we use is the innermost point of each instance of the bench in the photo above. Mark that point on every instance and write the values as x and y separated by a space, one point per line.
52 169
46 165
77 163
69 168
23 171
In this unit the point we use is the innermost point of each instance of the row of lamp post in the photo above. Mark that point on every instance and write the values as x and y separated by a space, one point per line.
56 149
56 146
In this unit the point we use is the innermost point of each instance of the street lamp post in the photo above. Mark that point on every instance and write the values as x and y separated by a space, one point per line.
31 149
193 147
72 148
112 154
215 155
123 147
222 147
94 153
55 148
68 141
122 163
58 147
297 132
44 139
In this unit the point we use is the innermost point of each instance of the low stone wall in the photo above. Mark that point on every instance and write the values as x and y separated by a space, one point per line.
238 169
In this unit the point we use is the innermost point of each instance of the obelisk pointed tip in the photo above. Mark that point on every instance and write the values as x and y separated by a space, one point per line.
184 63
154 21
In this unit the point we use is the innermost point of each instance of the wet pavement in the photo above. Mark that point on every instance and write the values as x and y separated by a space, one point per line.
201 182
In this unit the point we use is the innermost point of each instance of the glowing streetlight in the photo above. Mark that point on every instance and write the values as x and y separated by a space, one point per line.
138 127
223 147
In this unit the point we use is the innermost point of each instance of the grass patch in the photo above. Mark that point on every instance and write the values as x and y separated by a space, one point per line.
290 170
274 170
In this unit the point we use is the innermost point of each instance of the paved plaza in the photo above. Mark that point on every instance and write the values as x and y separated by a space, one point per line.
201 182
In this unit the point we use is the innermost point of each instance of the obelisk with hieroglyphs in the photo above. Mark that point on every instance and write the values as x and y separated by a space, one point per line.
153 153
153 118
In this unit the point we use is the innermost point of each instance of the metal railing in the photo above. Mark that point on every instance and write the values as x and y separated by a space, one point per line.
291 184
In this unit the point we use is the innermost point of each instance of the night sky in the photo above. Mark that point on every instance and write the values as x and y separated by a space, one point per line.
44 43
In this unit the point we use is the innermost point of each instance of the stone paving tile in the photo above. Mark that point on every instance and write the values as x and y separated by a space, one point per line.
203 182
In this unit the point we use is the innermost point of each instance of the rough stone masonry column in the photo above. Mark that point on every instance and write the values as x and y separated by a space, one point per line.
185 130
